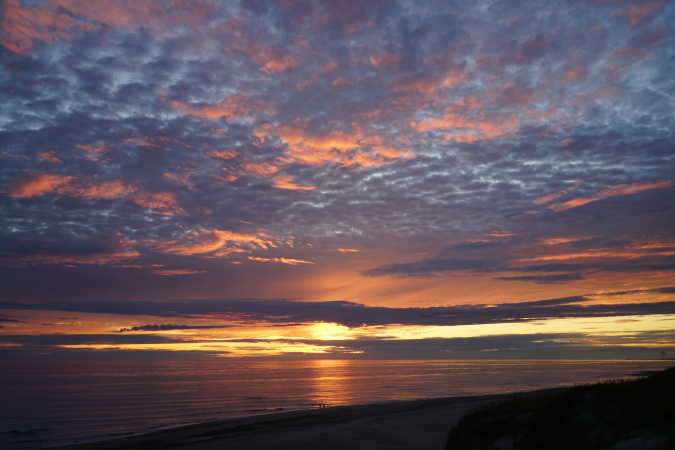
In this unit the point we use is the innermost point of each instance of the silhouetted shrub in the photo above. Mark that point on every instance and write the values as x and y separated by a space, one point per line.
618 415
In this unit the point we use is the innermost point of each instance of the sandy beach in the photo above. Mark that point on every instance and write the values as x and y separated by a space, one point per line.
419 424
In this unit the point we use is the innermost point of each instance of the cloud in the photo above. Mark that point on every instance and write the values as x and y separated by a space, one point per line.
7 319
560 254
217 243
429 266
38 184
171 327
87 189
353 314
554 195
545 279
210 130
641 345
286 182
177 272
621 189
53 20
281 260
637 13
85 339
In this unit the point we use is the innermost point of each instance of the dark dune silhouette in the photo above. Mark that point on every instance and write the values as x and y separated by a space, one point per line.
617 415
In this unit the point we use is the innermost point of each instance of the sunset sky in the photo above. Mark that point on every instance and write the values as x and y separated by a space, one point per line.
343 179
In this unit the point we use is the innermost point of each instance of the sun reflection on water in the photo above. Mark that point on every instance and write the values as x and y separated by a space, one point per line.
329 382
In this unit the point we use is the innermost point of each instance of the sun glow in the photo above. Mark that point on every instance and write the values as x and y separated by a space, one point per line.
329 331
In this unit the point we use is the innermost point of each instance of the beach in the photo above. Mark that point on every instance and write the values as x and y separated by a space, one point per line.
239 404
419 424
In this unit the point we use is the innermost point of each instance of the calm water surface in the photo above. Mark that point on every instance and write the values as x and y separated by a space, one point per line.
49 402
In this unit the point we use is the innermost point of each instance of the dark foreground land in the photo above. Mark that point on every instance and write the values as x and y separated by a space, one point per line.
615 415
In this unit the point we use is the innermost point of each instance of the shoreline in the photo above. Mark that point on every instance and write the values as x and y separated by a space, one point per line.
235 432
421 424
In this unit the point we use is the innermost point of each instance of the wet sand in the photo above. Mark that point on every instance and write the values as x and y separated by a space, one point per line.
417 424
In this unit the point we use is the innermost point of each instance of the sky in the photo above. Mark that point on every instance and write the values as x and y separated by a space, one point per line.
380 179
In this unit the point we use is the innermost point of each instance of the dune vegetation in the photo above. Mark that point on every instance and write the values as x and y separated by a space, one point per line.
616 415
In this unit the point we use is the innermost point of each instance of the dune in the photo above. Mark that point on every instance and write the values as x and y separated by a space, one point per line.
615 415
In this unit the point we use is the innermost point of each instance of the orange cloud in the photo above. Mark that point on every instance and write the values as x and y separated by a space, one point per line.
163 202
230 106
217 243
348 250
599 253
93 153
280 260
384 60
93 259
653 245
561 240
279 64
333 147
39 184
462 128
263 169
87 189
141 142
224 153
552 196
103 190
50 156
501 234
621 189
286 182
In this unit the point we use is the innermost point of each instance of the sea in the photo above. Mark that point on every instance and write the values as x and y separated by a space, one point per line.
51 403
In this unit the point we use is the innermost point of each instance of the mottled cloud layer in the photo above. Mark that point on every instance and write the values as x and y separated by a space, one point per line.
156 149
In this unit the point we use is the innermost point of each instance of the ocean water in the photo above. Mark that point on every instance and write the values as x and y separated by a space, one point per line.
49 403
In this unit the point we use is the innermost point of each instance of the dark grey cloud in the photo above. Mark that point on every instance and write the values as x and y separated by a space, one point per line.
545 279
354 314
85 339
544 345
170 326
430 266
4 318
